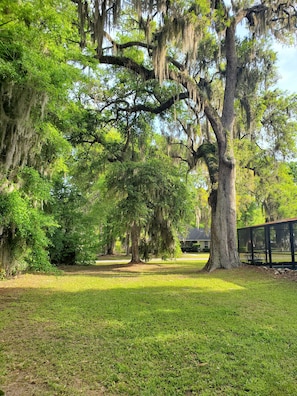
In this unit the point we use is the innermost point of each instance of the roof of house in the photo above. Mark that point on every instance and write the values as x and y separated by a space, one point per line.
195 234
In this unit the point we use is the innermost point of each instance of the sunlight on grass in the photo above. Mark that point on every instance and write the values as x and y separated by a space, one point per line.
122 279
151 330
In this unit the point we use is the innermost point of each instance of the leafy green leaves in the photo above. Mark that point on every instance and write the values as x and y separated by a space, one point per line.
153 195
24 225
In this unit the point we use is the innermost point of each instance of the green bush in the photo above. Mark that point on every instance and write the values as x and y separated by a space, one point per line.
75 241
24 234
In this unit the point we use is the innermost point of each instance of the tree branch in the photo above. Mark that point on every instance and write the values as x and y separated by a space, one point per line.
129 44
128 63
159 109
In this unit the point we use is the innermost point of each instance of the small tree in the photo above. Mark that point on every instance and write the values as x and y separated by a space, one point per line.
152 203
75 240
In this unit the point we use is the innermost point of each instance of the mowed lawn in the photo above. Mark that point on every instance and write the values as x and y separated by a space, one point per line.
154 329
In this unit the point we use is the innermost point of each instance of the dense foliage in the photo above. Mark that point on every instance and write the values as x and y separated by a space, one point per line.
152 203
209 55
93 152
35 78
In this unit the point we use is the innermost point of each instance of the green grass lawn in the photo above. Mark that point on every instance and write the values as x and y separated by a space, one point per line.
156 329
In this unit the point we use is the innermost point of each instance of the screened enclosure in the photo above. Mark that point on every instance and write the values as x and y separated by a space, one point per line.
272 244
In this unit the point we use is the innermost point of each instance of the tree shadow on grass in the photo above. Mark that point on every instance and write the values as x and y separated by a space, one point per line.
131 341
113 270
141 339
193 270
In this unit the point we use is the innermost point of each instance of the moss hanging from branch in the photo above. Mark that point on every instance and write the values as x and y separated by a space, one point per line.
279 18
185 33
18 105
94 18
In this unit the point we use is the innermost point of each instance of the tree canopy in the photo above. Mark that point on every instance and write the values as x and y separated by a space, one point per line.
87 87
193 51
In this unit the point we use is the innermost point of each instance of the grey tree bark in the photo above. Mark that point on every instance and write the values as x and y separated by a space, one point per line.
135 234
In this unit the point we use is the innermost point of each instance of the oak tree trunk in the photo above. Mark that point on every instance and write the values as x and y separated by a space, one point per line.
135 235
223 245
110 246
6 255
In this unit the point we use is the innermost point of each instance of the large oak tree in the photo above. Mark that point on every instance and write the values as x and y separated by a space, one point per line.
188 47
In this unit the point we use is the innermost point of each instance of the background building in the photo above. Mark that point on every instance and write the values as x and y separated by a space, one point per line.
195 240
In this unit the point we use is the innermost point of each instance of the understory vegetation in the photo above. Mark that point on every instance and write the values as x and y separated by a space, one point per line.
148 329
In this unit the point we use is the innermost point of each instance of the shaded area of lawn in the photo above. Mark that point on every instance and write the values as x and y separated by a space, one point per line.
154 329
